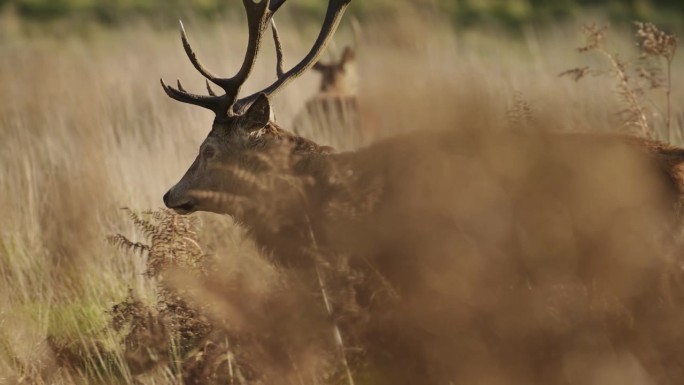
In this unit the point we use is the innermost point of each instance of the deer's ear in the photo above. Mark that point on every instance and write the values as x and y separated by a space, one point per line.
348 55
259 113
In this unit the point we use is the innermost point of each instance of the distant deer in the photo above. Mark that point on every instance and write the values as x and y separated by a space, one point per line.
337 75
333 111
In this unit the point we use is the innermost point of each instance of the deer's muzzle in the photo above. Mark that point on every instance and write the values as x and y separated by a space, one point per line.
180 204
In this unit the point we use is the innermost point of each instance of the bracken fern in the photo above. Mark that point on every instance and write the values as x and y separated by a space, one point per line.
636 78
150 332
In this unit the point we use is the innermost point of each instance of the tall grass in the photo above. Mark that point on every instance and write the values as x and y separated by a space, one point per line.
85 129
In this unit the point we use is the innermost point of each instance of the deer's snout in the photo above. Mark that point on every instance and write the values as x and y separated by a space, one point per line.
166 198
180 204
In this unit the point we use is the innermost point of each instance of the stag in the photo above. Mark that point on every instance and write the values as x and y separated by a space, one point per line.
245 144
504 210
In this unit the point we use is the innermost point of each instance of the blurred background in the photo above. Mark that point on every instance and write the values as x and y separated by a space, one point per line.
463 13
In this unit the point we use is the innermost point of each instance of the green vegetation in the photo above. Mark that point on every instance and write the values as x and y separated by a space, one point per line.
510 13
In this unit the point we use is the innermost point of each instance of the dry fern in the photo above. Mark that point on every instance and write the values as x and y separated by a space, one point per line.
123 243
171 240
636 77
145 337
520 114
658 44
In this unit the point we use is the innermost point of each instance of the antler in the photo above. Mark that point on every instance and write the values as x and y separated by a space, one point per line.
332 18
258 17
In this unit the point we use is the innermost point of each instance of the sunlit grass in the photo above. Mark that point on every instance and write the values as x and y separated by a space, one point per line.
85 129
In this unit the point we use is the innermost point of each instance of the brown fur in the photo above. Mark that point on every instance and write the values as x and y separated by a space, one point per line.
468 231
390 166
509 215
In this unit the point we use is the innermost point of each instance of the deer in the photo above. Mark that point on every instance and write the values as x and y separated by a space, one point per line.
244 140
337 74
334 108
416 208
244 125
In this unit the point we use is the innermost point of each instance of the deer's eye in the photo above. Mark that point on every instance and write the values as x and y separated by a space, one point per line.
208 152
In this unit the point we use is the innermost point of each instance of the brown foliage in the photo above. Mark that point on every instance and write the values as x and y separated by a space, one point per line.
637 77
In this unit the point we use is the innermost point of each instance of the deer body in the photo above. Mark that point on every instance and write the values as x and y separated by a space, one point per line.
366 192
505 211
304 183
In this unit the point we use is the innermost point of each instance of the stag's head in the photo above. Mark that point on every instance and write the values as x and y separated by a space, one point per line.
242 126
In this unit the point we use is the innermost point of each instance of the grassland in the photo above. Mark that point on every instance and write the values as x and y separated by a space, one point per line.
85 129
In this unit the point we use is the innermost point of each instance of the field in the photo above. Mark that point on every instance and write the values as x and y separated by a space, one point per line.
86 130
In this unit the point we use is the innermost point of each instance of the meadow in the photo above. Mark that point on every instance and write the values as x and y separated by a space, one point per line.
86 130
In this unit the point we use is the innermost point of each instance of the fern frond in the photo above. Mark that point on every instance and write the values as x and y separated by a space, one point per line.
145 226
123 243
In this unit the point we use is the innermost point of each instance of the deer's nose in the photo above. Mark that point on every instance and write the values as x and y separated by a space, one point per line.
180 204
166 199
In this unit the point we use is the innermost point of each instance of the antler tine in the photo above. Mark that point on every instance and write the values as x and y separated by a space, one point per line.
214 103
280 56
258 15
193 57
332 18
275 4
257 20
218 104
209 90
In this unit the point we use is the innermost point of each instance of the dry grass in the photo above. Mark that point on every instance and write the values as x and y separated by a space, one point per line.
638 79
85 130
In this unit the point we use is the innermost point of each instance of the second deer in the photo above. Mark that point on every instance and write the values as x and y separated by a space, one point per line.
332 114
